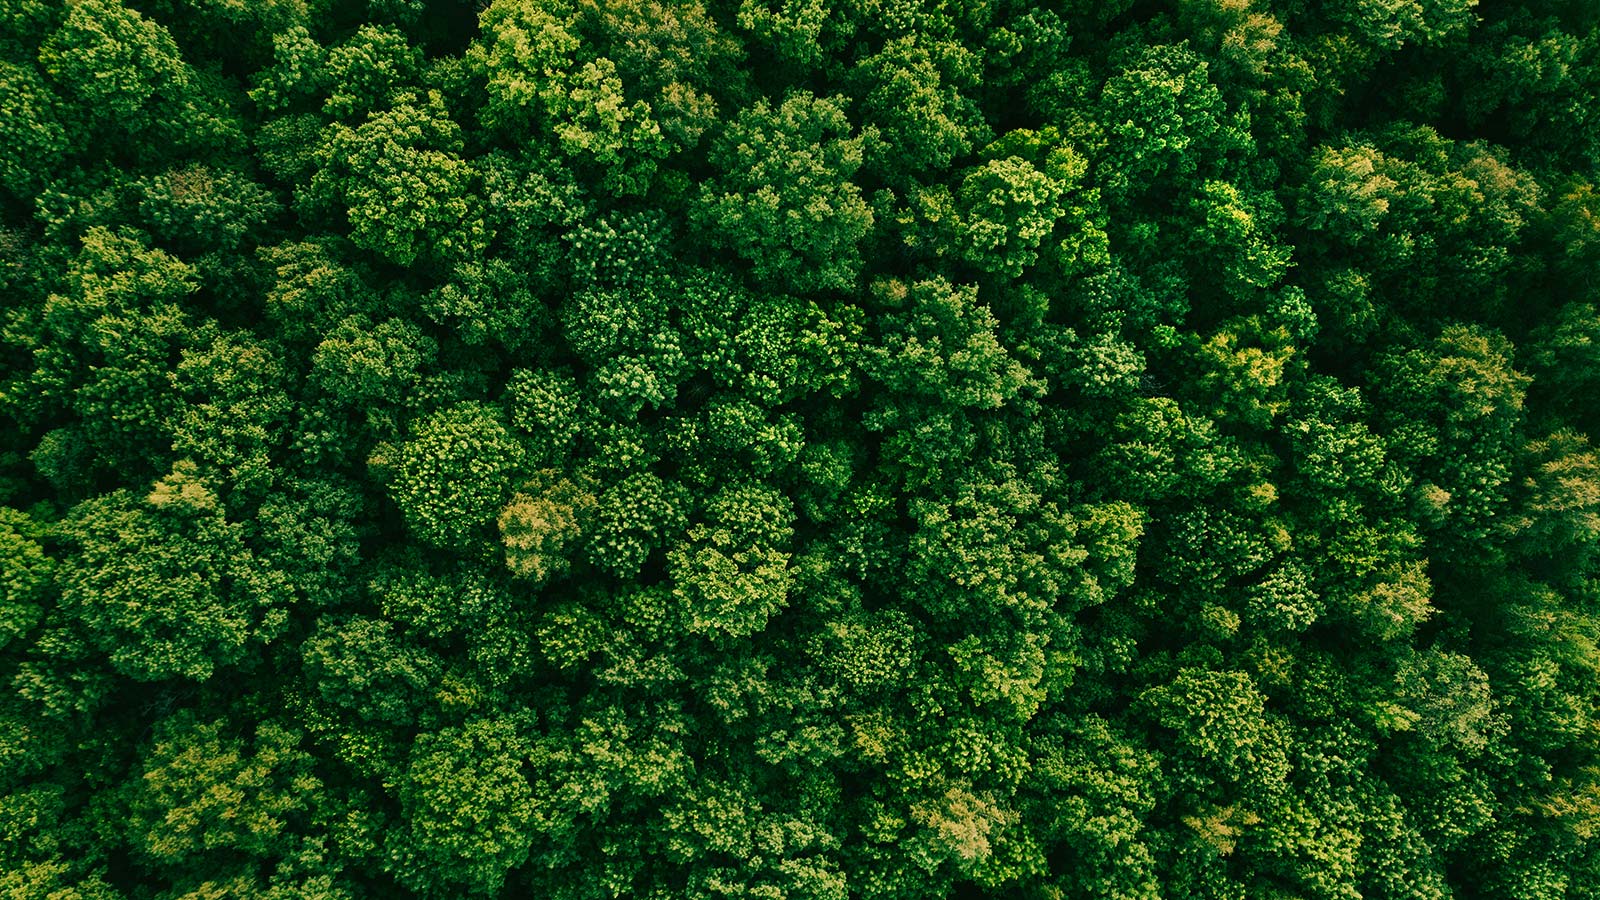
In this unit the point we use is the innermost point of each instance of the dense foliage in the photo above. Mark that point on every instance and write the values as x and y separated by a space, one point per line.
799 449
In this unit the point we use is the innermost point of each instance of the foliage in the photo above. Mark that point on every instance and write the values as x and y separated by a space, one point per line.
785 201
398 177
166 586
468 806
799 450
454 474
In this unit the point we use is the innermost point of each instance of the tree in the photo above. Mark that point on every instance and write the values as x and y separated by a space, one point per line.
676 56
1458 402
545 407
1533 71
937 341
543 79
198 209
1214 716
960 825
912 98
1247 382
56 879
206 790
468 809
1561 360
626 335
1093 789
361 363
165 585
298 74
113 63
792 32
1101 365
782 197
770 347
114 330
25 579
867 651
1235 233
1445 699
632 519
362 665
1560 495
374 67
1163 115
1427 214
799 450
539 529
33 131
404 188
487 302
1390 23
312 529
310 289
232 414
455 474
1160 451
732 574
534 206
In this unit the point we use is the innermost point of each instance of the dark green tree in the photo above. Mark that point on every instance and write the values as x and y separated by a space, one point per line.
454 474
783 198
468 808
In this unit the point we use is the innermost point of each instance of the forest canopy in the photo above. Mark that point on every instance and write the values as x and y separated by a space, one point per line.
799 450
